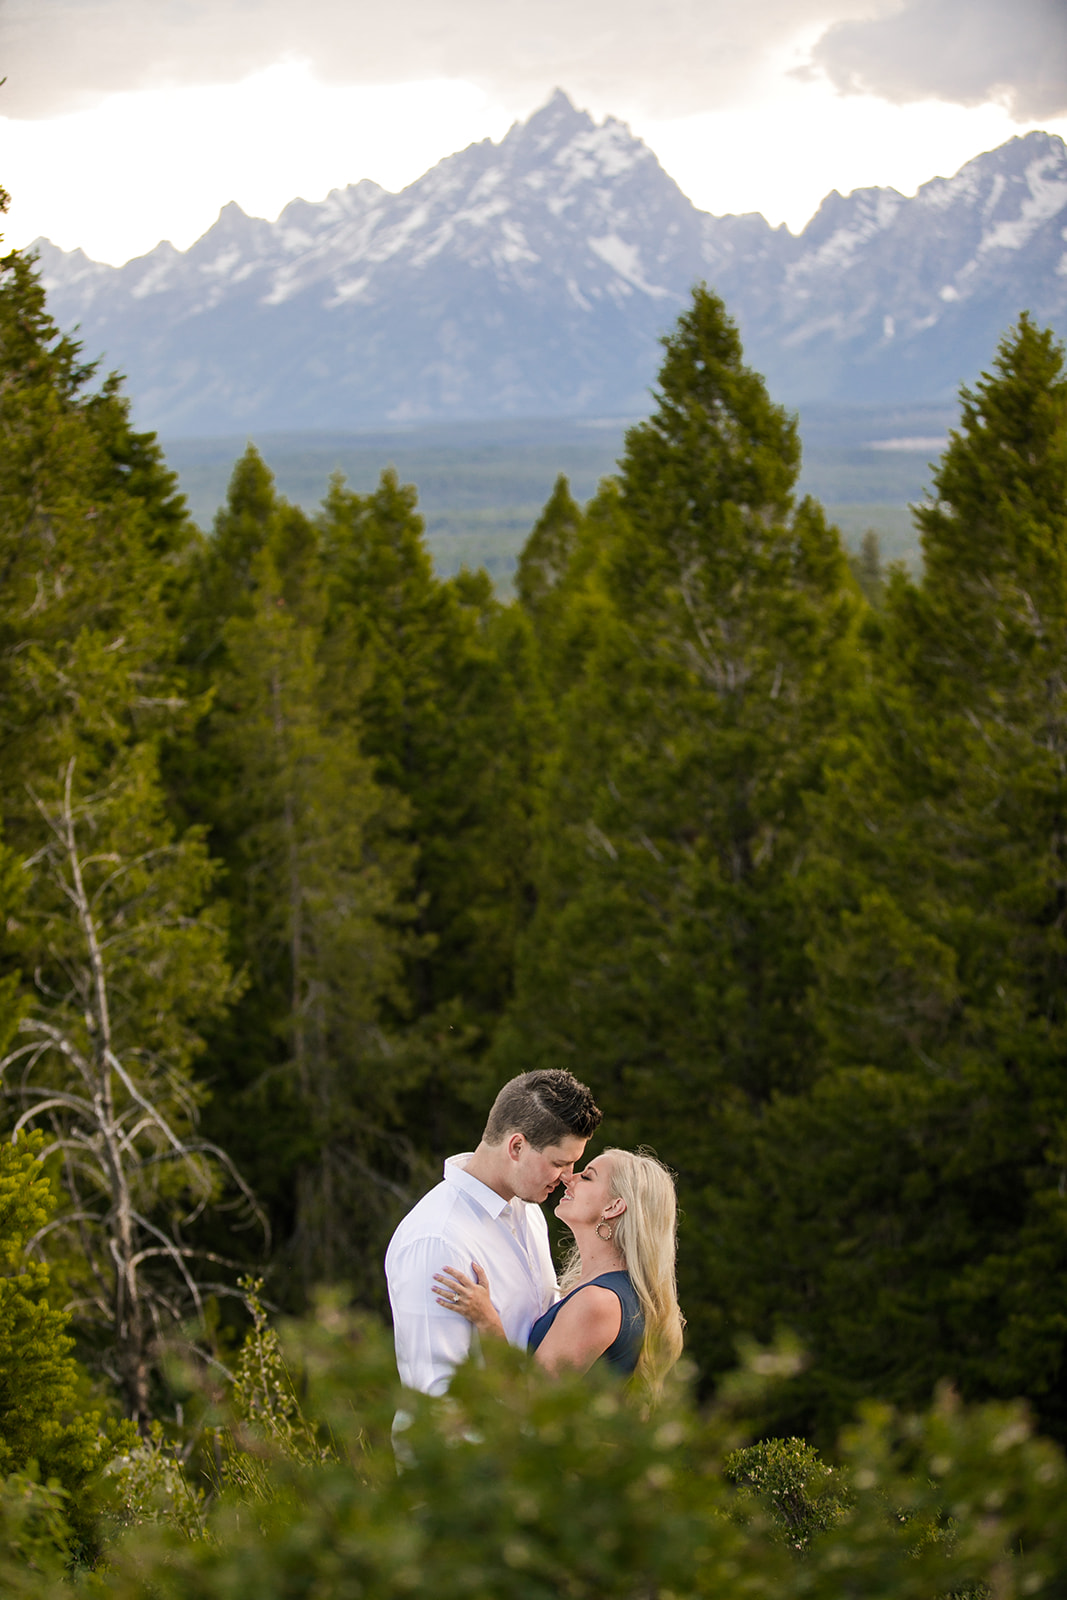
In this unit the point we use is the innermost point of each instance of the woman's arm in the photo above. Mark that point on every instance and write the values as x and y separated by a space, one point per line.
583 1329
456 1292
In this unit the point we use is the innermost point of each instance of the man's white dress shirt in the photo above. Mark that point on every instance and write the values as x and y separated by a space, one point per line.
456 1224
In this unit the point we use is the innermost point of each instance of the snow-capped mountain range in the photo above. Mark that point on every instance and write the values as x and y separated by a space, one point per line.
533 278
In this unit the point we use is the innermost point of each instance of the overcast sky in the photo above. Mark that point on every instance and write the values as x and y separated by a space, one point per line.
130 120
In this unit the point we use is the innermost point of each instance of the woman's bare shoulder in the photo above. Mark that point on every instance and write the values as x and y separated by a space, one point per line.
590 1306
585 1326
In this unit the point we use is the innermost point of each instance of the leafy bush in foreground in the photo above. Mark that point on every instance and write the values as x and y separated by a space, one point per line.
44 1429
787 1478
520 1486
35 1536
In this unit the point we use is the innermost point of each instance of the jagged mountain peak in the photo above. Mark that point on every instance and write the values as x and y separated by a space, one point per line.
558 147
559 118
1024 160
302 221
577 147
533 277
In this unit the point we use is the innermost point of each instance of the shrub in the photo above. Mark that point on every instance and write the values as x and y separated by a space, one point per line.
35 1538
536 1489
541 1489
42 1419
787 1479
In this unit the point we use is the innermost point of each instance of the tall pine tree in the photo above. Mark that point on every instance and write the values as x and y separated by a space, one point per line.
666 961
317 881
452 716
108 905
912 1208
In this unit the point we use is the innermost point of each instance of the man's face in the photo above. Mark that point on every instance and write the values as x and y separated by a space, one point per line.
535 1173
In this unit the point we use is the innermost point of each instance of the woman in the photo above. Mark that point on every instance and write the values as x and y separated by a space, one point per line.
619 1303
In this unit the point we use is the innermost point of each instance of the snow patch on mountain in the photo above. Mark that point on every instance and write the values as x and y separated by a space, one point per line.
535 276
625 259
1047 183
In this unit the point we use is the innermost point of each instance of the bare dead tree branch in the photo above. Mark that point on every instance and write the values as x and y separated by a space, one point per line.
121 1114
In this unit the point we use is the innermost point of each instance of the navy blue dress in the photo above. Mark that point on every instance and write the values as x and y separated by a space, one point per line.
623 1354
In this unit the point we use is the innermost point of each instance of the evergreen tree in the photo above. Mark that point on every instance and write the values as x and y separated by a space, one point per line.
317 880
929 1239
560 597
117 958
548 552
129 963
452 716
867 568
365 775
93 540
666 960
42 1417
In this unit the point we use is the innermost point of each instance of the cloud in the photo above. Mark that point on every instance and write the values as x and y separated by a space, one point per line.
965 51
672 59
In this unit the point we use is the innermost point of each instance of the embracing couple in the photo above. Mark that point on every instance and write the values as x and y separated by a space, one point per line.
473 1256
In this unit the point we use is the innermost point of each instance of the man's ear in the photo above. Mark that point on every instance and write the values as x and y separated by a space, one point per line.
515 1146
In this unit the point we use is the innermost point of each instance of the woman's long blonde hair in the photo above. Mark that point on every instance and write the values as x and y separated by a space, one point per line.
646 1236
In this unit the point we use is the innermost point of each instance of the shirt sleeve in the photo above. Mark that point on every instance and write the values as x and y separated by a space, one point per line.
430 1340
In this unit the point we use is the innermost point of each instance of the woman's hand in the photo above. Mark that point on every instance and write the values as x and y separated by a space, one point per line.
471 1299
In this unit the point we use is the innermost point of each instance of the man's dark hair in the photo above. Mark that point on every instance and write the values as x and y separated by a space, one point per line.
545 1107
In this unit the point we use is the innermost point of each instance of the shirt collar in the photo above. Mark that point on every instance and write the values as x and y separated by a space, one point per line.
456 1174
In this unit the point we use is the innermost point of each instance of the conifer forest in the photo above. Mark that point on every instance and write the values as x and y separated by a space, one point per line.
306 849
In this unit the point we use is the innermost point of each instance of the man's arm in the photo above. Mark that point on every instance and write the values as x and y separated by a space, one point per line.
430 1341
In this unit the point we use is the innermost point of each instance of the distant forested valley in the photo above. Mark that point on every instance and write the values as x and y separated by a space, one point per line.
482 484
308 846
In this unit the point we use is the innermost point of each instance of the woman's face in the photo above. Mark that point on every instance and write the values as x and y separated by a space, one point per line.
587 1194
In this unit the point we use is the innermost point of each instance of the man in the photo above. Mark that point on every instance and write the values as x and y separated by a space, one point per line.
488 1209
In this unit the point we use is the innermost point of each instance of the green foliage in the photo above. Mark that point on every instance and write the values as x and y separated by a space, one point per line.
317 878
132 964
905 1213
867 568
44 1427
787 1479
907 1216
92 540
146 1484
532 1487
446 720
547 560
119 962
35 1539
771 851
406 630
667 959
38 1378
267 1411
